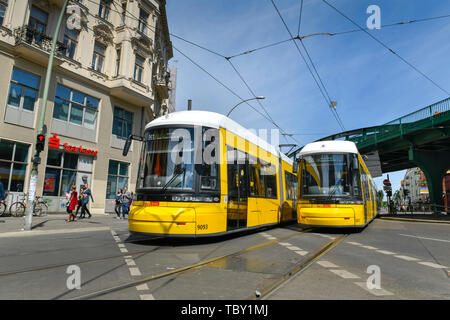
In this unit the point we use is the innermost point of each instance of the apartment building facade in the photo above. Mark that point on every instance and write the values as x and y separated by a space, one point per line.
110 78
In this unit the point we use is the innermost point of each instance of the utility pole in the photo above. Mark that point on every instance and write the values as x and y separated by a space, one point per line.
189 105
40 142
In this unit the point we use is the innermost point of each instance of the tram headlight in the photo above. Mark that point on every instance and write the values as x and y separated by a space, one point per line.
176 198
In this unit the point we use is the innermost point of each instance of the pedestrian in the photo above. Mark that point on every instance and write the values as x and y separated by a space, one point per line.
118 203
2 193
80 202
126 197
86 194
72 203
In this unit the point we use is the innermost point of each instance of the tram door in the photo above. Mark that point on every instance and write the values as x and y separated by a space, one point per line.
237 167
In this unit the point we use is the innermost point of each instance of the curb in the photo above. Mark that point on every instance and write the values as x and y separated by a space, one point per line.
414 220
49 232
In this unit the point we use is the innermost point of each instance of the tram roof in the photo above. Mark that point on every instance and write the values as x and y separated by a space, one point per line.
215 120
334 146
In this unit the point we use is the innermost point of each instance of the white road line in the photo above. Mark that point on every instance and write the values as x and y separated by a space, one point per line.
294 248
407 258
271 238
128 257
130 262
113 233
369 247
385 252
285 244
147 297
121 245
377 292
433 265
116 238
142 287
408 235
123 250
327 264
355 243
135 272
302 253
344 274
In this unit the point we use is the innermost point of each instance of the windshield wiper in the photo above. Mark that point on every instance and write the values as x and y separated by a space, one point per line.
330 195
182 170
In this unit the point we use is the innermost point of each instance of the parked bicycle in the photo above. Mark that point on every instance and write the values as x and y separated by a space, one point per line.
3 205
18 208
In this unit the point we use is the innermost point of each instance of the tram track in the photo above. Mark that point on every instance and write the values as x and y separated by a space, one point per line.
311 258
181 270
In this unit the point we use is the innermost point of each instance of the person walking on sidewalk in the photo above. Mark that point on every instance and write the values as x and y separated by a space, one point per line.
80 201
86 194
118 203
126 197
72 203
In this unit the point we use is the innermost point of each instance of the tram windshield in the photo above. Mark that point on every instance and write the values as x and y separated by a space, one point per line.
327 175
168 159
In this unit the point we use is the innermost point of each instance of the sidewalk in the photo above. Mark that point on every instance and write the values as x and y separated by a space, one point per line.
56 223
418 216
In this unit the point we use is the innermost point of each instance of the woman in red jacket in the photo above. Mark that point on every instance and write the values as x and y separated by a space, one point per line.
72 203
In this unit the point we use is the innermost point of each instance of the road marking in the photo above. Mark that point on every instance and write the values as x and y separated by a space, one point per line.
49 232
135 272
433 265
369 247
407 258
327 264
377 292
294 248
121 245
355 243
130 262
385 252
123 250
116 238
285 244
142 287
147 297
113 232
408 235
344 274
302 253
271 238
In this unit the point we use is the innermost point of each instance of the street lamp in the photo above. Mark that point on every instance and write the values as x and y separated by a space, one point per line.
255 98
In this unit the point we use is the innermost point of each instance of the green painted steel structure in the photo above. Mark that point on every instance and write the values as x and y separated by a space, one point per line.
419 139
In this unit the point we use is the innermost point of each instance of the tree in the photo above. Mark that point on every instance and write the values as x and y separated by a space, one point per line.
396 197
380 196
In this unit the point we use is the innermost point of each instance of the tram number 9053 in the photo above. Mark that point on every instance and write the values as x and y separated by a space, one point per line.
202 226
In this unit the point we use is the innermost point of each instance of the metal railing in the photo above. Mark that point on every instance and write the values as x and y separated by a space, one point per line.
31 36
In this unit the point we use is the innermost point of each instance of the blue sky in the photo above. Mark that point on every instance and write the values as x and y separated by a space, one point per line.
370 84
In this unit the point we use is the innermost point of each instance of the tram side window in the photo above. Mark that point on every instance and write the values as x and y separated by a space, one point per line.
257 187
291 186
209 175
270 178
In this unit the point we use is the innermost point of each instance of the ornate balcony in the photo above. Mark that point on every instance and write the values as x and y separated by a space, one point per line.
34 44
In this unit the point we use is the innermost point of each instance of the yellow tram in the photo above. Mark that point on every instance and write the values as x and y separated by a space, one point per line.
202 174
335 188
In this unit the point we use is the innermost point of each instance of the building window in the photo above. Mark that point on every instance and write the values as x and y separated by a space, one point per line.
103 9
117 178
118 52
142 24
75 107
138 68
38 24
3 6
70 42
122 123
98 58
64 170
23 90
13 164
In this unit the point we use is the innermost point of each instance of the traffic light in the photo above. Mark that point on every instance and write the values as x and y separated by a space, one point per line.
405 192
389 193
40 142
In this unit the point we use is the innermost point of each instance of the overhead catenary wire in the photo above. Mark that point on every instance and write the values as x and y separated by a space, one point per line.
328 101
388 48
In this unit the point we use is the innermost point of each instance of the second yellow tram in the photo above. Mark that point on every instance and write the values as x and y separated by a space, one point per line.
335 188
202 174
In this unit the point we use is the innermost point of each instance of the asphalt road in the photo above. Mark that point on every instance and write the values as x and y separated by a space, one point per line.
413 260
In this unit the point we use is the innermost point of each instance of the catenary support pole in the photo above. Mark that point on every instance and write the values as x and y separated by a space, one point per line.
36 159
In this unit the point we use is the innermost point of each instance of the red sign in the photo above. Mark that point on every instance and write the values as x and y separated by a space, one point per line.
54 143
